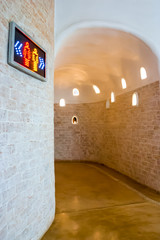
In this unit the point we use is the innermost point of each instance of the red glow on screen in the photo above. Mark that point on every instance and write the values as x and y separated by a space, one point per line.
27 54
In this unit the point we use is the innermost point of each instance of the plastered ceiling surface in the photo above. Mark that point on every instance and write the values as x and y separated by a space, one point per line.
101 57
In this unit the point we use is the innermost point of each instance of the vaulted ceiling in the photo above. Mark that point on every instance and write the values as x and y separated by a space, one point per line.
101 57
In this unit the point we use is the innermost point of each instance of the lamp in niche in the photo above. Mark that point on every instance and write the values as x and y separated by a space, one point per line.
75 92
135 99
107 104
74 120
123 82
143 73
96 89
62 103
112 97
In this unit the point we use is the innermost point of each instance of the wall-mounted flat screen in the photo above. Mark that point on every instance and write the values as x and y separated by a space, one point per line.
25 54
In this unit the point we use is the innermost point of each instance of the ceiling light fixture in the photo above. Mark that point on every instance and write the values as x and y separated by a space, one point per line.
143 73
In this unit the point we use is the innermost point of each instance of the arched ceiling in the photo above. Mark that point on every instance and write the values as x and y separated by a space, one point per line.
101 56
140 18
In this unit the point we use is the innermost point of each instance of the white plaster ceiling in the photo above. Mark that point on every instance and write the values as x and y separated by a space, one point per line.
100 55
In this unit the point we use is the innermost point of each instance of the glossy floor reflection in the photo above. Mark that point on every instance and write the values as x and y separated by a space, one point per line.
92 203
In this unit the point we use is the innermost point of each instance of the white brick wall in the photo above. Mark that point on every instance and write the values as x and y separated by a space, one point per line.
122 137
27 202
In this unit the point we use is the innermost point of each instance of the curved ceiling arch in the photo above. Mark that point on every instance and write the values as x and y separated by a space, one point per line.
101 56
61 38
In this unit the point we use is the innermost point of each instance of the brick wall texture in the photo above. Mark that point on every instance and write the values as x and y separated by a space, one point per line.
26 128
122 137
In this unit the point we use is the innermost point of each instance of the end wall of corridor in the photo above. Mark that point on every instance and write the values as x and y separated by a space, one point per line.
122 137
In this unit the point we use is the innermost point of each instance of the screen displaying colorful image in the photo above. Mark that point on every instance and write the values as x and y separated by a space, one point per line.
28 54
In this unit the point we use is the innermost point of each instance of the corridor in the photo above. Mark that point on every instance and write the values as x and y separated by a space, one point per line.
79 120
94 202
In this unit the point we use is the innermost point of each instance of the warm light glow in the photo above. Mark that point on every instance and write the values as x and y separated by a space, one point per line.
74 120
143 73
123 82
62 103
107 104
112 97
135 99
96 89
75 92
35 59
27 54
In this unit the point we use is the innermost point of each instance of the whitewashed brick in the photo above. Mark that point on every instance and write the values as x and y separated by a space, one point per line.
10 172
3 138
122 137
3 233
11 105
21 122
3 115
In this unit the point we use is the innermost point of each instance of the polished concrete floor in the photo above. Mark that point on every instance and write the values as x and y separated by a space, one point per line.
94 203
